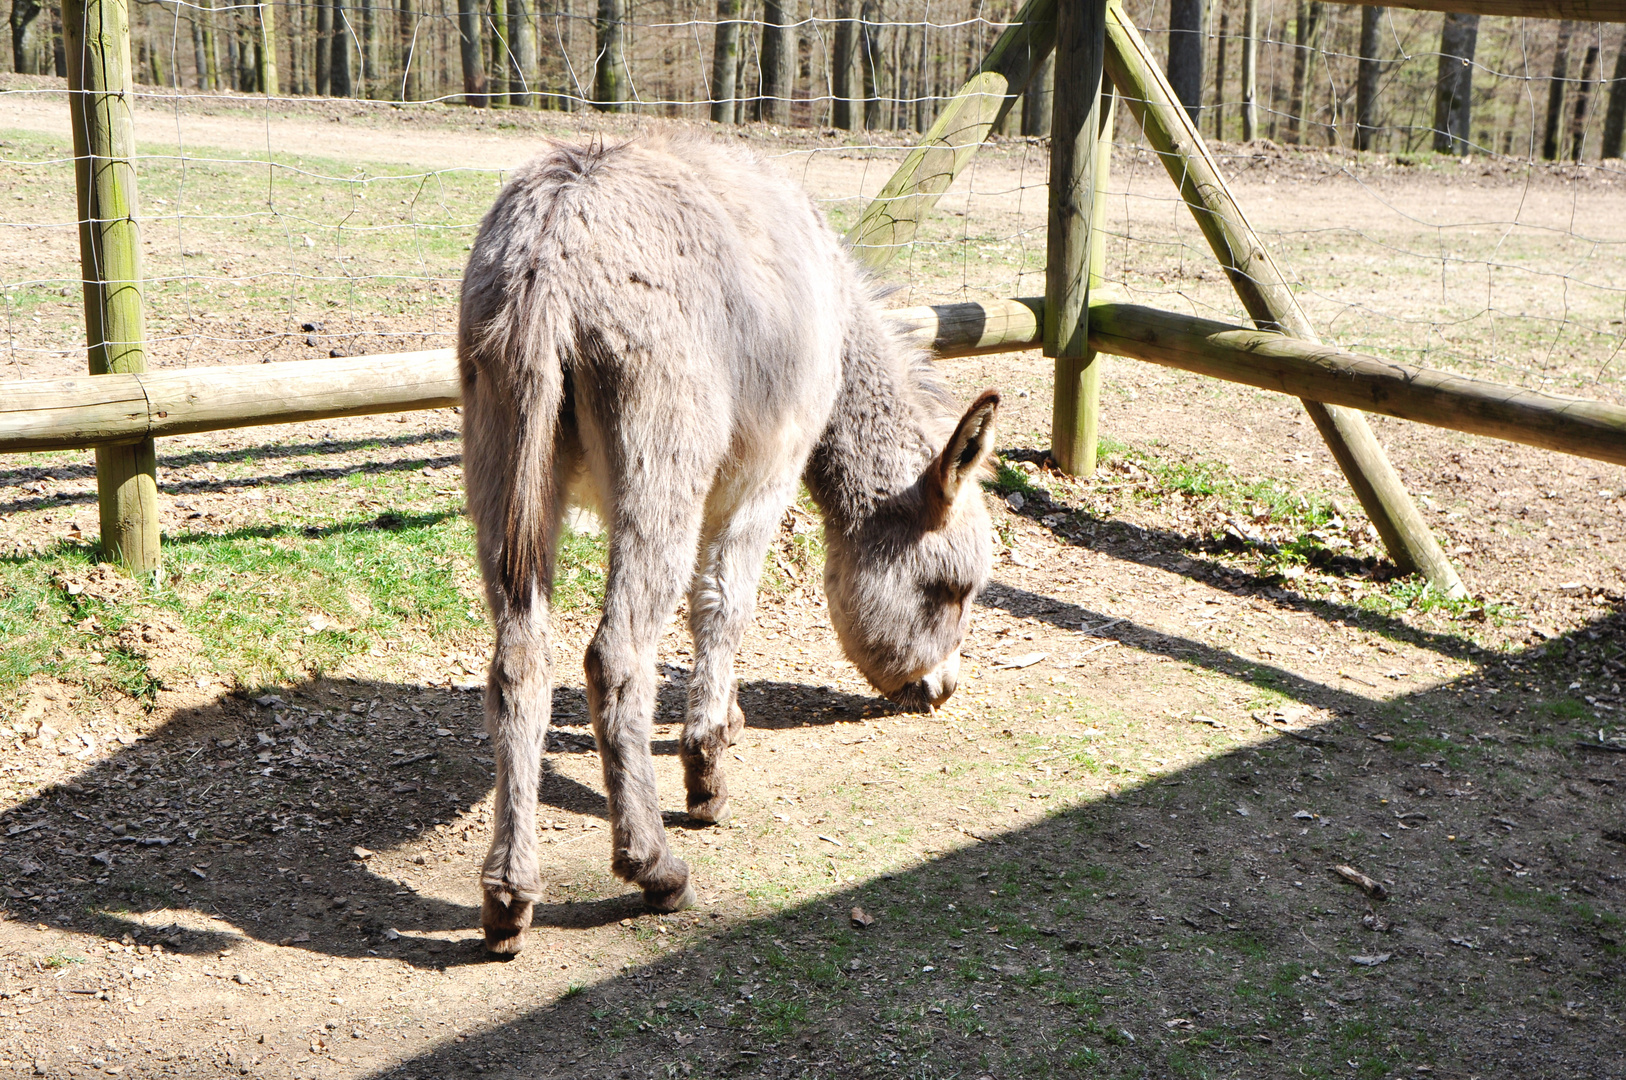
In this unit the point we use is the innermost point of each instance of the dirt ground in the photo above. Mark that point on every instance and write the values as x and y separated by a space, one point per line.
1113 853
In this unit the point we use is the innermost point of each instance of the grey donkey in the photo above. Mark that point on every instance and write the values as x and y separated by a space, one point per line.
665 330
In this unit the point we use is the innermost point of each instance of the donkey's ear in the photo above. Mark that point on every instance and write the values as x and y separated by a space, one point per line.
962 460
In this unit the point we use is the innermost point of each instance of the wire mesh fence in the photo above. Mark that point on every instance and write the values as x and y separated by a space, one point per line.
312 174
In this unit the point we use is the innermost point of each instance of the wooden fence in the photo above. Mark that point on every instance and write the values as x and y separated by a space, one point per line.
1100 61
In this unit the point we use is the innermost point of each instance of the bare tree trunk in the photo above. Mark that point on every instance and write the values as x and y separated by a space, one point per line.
369 49
1250 70
1309 14
725 59
413 56
611 78
1037 101
841 66
498 21
870 57
343 42
922 90
472 53
1454 86
1186 53
1367 73
25 53
776 56
197 52
1614 122
1589 66
1555 91
1219 72
521 55
324 47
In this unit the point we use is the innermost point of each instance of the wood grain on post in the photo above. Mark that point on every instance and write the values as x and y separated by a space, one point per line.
1267 297
1075 243
97 46
890 221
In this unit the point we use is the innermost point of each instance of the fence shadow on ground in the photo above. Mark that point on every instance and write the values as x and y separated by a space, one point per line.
1184 924
276 838
1189 925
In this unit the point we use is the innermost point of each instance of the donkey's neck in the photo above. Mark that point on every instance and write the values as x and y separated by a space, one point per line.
886 426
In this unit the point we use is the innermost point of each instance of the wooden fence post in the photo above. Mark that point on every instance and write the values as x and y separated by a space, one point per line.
1268 297
100 83
1080 149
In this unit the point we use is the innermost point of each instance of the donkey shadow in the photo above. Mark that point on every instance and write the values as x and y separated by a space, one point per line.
310 839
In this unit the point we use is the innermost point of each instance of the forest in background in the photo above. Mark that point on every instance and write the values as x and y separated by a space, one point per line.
1387 79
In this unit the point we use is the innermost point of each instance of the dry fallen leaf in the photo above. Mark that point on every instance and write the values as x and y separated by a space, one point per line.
1025 660
861 918
1371 961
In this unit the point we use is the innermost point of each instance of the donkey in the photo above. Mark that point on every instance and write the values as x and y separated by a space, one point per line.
664 329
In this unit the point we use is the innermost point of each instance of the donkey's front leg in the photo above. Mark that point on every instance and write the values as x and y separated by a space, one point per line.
721 601
519 692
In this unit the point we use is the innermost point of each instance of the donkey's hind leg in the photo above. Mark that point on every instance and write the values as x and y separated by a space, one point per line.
519 687
721 601
653 532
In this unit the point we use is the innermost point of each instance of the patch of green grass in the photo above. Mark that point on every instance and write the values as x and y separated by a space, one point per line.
61 960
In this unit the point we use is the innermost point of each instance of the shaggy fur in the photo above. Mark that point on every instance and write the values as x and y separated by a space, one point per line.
666 330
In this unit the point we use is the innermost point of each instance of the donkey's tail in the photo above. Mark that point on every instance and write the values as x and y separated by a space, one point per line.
514 391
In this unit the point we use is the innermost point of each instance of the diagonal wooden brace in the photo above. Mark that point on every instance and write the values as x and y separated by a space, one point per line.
889 222
1267 297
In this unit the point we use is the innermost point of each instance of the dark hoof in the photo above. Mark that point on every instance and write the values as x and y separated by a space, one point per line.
670 899
505 923
713 811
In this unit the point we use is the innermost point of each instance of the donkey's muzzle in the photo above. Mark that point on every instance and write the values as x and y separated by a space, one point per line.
936 687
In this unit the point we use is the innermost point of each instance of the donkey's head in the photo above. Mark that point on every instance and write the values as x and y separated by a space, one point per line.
901 585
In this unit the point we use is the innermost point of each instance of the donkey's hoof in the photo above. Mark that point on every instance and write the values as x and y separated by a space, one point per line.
713 811
670 899
505 924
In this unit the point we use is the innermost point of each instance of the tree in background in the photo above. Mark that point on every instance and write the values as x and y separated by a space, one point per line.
1307 22
777 57
725 58
611 78
841 66
470 53
521 55
1036 103
1453 93
1186 39
871 58
1368 70
26 55
1583 98
1614 122
1555 92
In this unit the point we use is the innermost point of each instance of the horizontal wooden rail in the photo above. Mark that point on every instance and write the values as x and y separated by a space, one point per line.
1580 10
104 410
93 410
1323 373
